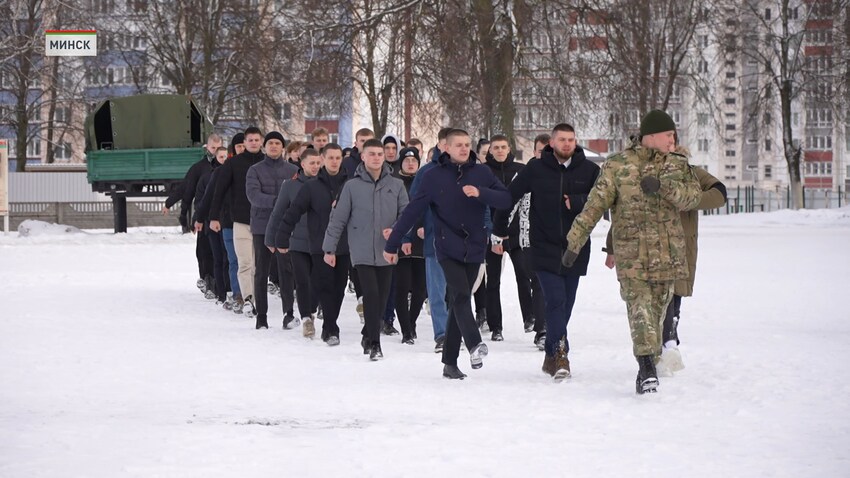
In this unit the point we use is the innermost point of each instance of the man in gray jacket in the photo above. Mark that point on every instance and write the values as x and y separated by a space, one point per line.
262 186
368 206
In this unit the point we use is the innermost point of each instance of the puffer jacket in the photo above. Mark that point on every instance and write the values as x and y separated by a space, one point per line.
262 186
299 240
364 209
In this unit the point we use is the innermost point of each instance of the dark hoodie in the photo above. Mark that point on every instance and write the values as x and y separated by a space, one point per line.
316 199
232 176
549 218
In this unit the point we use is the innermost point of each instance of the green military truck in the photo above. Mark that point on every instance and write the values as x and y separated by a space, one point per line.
142 146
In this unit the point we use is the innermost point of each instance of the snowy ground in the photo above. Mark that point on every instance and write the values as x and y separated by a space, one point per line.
112 364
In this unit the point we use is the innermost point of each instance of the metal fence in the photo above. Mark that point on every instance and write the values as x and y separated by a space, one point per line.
751 199
92 215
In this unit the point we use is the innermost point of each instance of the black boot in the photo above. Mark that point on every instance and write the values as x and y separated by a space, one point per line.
452 372
647 379
364 342
262 323
375 353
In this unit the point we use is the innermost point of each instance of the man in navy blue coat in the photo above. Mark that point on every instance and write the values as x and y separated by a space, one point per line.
459 191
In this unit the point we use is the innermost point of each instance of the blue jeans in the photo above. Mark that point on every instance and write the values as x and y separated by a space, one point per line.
435 281
232 263
559 295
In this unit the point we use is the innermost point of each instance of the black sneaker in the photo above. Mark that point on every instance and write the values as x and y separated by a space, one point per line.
407 340
439 344
481 320
497 337
375 352
540 340
388 329
452 372
364 342
262 323
290 322
528 325
647 379
332 341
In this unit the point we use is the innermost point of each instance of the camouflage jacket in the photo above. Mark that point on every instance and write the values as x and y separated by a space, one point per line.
647 229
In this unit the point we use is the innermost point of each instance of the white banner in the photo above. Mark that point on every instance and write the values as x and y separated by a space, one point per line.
4 177
70 43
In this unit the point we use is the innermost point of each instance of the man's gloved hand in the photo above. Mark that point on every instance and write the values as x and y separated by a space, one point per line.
650 185
569 258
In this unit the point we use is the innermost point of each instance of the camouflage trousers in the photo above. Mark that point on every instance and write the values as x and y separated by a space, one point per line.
646 303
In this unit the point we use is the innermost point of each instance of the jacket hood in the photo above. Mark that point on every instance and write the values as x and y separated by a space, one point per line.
491 161
365 176
393 138
547 156
446 160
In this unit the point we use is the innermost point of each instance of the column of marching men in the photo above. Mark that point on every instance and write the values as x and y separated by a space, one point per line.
402 228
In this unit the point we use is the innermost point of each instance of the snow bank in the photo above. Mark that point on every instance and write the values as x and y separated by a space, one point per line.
838 217
32 228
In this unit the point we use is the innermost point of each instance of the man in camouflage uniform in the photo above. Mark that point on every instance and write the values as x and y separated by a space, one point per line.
645 186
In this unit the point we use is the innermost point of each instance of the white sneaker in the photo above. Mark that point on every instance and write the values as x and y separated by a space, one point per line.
476 356
248 308
669 362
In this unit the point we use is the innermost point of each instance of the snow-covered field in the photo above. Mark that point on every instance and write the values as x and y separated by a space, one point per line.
113 364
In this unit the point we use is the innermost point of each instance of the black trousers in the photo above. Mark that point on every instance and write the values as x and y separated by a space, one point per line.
375 283
204 255
494 284
460 277
274 274
355 279
671 320
219 256
409 278
330 285
262 259
538 303
305 282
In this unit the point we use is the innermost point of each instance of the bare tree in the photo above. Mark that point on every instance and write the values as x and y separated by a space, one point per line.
792 44
21 26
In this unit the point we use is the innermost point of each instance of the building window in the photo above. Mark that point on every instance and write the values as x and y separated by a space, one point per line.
819 143
767 118
730 153
702 119
768 172
818 168
103 6
767 145
767 14
732 178
62 152
730 101
730 127
702 67
702 41
730 167
34 148
730 74
702 145
819 117
62 114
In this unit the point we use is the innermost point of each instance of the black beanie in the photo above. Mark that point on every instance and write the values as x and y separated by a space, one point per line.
274 135
237 138
390 139
656 121
408 152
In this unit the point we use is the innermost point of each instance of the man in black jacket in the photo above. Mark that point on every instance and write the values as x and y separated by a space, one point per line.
559 181
232 178
316 199
185 193
501 161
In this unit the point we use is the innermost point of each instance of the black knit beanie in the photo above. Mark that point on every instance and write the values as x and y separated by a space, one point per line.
656 121
408 152
274 135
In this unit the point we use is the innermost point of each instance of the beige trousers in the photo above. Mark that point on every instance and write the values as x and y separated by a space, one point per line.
243 242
